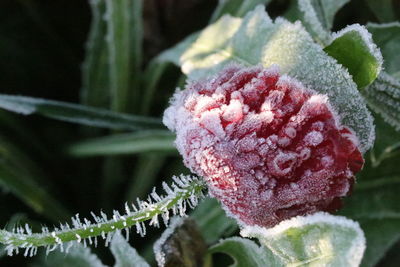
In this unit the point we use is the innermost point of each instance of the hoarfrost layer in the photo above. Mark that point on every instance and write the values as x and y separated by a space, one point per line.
268 148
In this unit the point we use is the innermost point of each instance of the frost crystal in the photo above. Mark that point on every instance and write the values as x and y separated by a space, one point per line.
268 148
367 38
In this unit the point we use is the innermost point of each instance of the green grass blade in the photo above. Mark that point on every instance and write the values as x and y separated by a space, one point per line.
212 220
25 188
77 113
95 78
124 39
145 175
144 141
20 175
152 76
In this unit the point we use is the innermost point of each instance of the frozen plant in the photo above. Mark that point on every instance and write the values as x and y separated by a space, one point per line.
268 148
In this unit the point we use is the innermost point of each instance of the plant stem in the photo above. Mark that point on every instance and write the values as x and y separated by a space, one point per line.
185 190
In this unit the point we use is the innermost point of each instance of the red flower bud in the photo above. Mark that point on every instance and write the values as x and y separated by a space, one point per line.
269 148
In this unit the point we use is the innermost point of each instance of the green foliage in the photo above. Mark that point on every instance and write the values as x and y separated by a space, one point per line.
256 39
76 113
21 176
314 240
353 48
383 10
81 256
125 255
387 37
95 78
388 144
77 255
317 17
375 205
245 252
213 221
138 142
124 33
325 11
236 8
383 97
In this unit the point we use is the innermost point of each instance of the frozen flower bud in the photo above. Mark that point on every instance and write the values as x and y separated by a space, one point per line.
269 148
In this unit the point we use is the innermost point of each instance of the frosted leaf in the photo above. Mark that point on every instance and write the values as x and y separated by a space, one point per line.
256 39
354 49
317 16
237 8
320 239
22 108
77 256
172 55
383 96
366 37
221 32
246 253
124 254
75 113
212 221
387 37
312 22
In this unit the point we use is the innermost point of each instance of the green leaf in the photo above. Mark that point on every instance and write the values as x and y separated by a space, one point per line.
383 9
383 96
156 68
74 113
256 39
124 39
387 144
381 235
317 17
77 256
139 142
124 254
375 205
325 11
25 188
95 78
374 202
237 8
20 175
158 65
245 253
387 37
145 175
320 239
353 48
213 221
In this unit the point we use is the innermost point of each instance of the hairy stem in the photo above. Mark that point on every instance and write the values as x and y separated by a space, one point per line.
185 191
